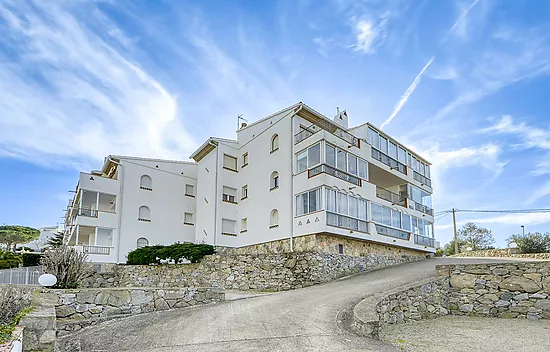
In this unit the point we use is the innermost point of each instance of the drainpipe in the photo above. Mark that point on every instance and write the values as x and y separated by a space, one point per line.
119 204
216 190
292 202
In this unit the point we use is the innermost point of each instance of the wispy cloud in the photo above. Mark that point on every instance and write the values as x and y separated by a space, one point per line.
407 94
542 167
506 219
369 34
531 136
539 192
459 27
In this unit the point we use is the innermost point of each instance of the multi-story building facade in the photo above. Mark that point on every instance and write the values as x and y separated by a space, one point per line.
292 174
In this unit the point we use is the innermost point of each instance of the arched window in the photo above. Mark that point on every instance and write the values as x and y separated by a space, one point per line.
274 181
144 214
274 218
146 183
142 242
274 142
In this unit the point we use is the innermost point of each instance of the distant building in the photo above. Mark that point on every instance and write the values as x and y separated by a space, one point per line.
287 177
46 233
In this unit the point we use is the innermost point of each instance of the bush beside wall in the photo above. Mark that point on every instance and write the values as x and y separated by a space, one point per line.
153 254
31 259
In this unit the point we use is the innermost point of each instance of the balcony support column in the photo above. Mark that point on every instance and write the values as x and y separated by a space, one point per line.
77 232
97 202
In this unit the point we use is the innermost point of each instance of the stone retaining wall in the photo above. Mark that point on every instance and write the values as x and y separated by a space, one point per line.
263 272
505 290
504 253
76 309
14 298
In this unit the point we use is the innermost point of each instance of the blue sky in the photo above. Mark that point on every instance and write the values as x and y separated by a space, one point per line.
465 83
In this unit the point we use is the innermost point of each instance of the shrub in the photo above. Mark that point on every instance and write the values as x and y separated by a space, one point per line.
68 265
148 255
535 242
6 330
9 260
31 259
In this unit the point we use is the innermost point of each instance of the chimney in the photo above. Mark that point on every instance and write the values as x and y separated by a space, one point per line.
243 125
341 118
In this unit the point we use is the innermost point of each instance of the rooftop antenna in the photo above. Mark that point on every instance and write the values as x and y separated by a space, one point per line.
239 119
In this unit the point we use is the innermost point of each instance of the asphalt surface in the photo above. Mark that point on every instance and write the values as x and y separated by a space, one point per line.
309 319
466 334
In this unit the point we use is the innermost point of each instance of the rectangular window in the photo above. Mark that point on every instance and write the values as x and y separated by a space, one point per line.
188 219
342 203
245 159
414 225
245 192
244 224
363 169
392 150
428 171
190 190
395 218
308 202
416 166
340 249
383 145
331 200
330 156
314 200
352 164
362 209
372 138
353 207
301 162
229 162
386 216
422 169
402 156
341 160
406 222
421 227
314 155
376 210
104 237
229 194
409 159
229 227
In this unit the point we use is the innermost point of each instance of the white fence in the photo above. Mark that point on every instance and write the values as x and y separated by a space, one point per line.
21 276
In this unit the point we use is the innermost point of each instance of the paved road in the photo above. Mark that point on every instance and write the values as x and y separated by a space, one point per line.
299 320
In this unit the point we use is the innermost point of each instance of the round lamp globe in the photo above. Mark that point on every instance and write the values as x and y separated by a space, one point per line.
47 280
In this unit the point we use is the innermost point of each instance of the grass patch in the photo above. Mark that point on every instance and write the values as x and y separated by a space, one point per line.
6 330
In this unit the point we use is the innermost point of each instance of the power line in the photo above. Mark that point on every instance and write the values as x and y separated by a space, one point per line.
498 211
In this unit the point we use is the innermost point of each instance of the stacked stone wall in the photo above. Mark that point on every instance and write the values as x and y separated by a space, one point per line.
504 253
14 298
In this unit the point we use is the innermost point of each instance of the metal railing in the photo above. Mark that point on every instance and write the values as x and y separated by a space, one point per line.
304 134
388 231
391 197
424 241
91 213
325 168
424 209
422 179
21 276
386 159
346 222
338 132
96 250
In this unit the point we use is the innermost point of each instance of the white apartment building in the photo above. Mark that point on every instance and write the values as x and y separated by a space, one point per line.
291 174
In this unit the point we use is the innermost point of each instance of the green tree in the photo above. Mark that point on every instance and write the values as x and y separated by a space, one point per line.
11 235
56 241
450 247
535 242
475 237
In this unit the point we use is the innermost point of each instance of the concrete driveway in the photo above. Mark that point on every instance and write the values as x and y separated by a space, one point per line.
299 320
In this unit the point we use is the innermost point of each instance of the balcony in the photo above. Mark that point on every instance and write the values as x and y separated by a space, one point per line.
324 168
395 198
304 134
424 209
96 250
424 241
346 222
338 132
91 213
388 231
422 179
385 159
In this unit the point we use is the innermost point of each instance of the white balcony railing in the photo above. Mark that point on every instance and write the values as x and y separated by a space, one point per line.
96 250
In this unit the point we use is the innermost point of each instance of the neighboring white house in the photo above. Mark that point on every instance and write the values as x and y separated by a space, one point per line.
291 174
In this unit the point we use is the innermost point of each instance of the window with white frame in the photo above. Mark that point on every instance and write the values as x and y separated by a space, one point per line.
308 202
245 159
308 158
372 138
142 242
229 162
330 155
341 159
229 194
301 161
422 227
402 156
188 219
190 190
244 192
345 161
384 145
274 218
244 224
229 227
344 204
274 143
146 183
104 237
420 196
274 180
392 150
144 214
391 217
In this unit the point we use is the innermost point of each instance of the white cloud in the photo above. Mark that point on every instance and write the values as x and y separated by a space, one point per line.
443 73
531 136
504 219
69 96
539 192
407 94
368 35
542 167
459 28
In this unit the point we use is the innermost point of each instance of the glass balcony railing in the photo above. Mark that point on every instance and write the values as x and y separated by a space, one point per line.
422 179
388 231
338 132
391 162
347 222
425 209
304 134
324 168
395 198
424 241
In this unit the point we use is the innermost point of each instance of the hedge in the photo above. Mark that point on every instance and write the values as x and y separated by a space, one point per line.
9 260
31 259
148 255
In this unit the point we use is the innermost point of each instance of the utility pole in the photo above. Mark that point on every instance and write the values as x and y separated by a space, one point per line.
456 237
